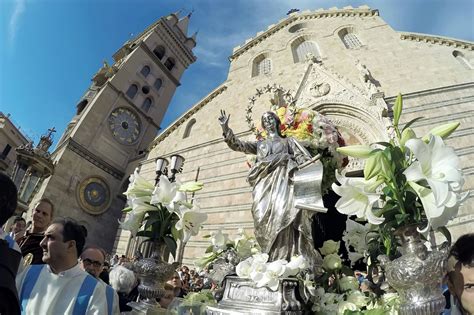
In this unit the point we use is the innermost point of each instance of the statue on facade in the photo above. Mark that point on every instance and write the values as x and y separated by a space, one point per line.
370 84
281 229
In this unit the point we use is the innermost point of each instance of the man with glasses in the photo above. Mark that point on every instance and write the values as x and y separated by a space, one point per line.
60 286
92 260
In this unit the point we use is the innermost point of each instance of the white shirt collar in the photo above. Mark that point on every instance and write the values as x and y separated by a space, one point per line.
69 273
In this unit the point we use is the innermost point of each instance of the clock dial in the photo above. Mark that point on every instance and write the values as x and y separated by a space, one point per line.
124 125
94 195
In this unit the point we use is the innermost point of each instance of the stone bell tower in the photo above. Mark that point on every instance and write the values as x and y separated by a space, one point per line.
116 119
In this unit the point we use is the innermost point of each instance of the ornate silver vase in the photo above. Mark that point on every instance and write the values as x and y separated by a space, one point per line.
417 275
152 273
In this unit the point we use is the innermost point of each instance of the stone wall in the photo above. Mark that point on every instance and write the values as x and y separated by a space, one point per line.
435 83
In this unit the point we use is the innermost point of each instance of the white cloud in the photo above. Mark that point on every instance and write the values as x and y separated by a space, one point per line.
18 10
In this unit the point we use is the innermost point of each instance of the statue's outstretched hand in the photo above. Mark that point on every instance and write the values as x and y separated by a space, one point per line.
224 121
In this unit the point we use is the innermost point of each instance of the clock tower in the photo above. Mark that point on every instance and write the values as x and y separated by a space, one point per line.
116 119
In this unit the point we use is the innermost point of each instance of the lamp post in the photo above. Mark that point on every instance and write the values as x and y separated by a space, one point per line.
176 166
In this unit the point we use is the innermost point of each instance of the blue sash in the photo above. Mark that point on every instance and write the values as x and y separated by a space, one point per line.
10 241
84 295
29 282
109 293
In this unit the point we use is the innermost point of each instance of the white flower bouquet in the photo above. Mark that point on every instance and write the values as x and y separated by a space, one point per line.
408 180
162 212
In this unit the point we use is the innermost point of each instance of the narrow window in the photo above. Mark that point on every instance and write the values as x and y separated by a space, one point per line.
5 152
351 41
303 48
158 84
261 65
145 71
349 38
159 51
169 63
462 60
80 107
132 91
147 104
189 126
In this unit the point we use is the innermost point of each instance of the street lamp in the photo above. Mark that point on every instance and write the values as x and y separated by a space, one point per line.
176 166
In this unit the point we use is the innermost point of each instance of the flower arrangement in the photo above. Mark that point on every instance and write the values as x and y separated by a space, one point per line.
316 133
162 211
244 253
232 251
267 274
408 180
337 291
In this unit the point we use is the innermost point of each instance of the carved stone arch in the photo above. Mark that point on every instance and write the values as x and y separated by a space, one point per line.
363 125
351 27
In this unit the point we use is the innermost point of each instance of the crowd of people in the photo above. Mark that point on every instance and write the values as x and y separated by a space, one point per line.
47 268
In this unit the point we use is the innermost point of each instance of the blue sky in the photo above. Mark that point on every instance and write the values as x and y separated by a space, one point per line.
50 49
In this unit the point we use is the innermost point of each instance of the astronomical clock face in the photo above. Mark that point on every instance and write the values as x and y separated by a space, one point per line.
94 195
124 125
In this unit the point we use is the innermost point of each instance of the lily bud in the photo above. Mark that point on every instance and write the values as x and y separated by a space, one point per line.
443 131
376 164
357 151
397 110
191 186
407 134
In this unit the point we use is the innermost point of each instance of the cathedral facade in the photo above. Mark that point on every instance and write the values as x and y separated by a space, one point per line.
349 65
115 122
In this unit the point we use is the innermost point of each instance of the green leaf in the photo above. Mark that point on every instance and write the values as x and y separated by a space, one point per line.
177 234
209 249
151 220
385 144
401 217
411 122
397 109
145 233
375 311
127 209
207 236
171 244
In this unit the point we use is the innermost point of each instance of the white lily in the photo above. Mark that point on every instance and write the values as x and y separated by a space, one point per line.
272 274
258 269
190 221
438 165
141 204
138 186
355 236
260 258
343 306
437 215
132 222
244 268
357 197
167 194
294 266
219 240
309 285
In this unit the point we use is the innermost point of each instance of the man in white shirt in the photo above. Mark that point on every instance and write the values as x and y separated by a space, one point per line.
61 286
